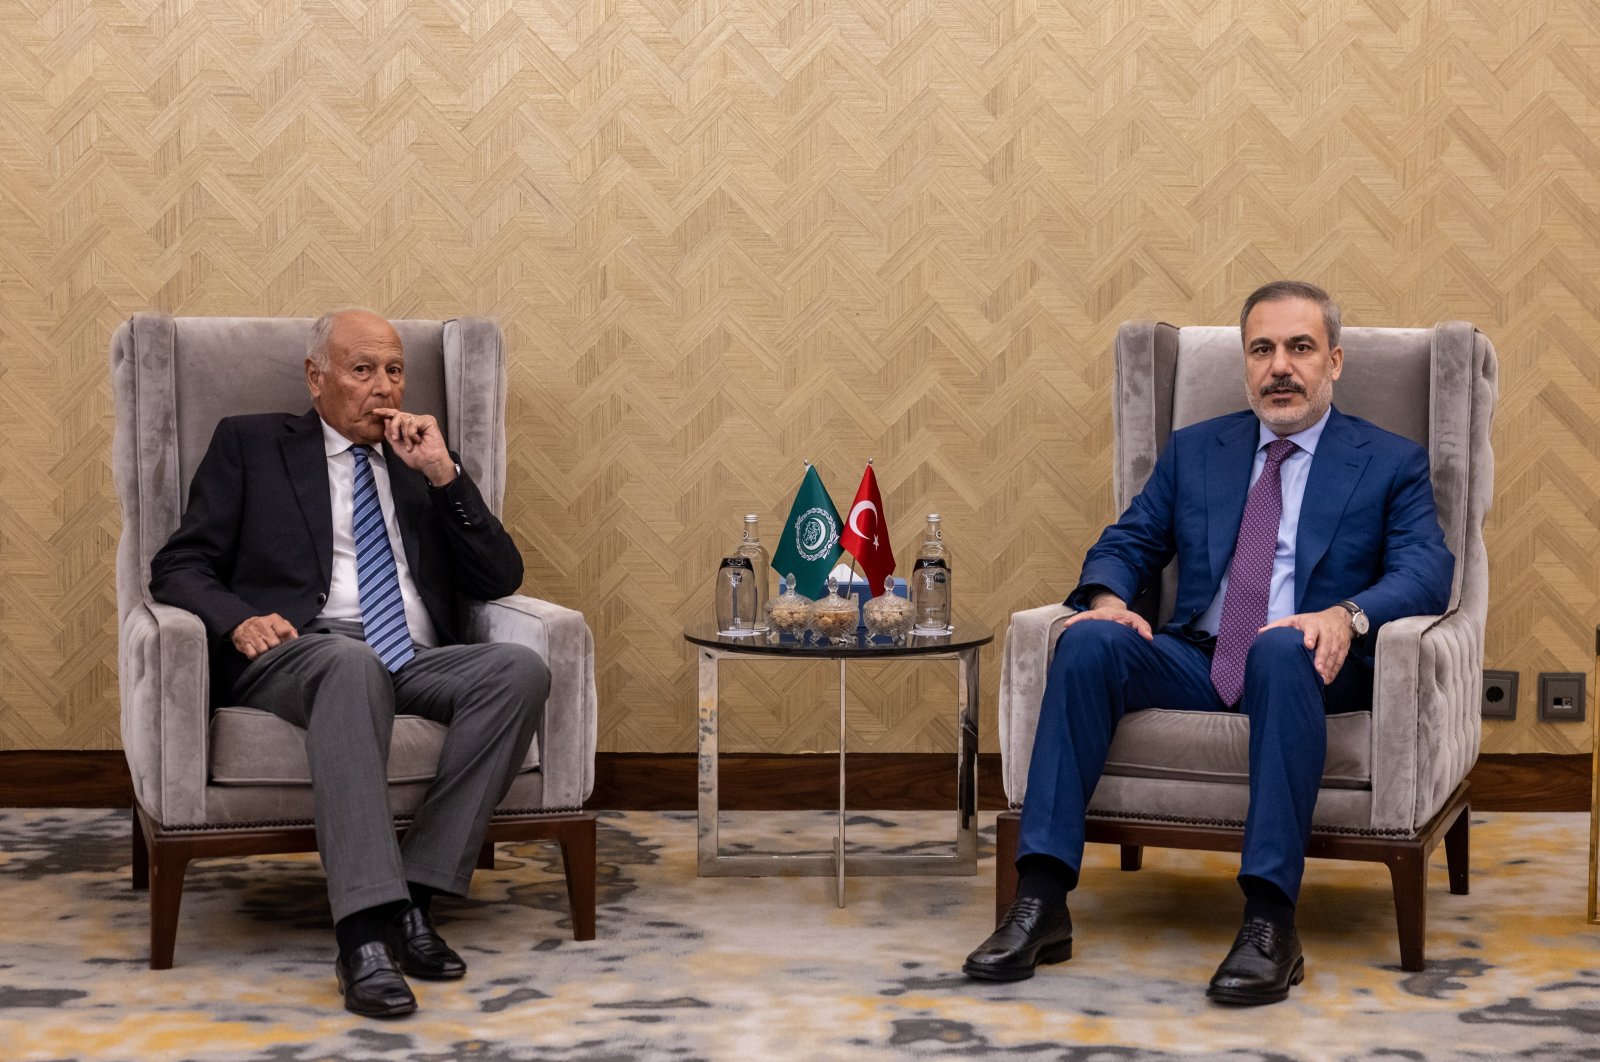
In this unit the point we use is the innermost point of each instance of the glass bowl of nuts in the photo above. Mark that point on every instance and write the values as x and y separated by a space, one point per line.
834 617
789 613
888 616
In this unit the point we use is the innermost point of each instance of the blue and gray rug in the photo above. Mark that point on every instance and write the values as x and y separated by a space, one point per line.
768 968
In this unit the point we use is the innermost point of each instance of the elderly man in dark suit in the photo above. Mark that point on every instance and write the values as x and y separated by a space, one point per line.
328 554
1298 532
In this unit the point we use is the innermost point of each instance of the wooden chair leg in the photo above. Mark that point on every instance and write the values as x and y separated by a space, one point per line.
1455 851
1007 829
1408 870
141 855
577 842
167 868
486 856
1132 856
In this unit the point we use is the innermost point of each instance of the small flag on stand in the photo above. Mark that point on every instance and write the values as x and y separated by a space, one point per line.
866 533
810 541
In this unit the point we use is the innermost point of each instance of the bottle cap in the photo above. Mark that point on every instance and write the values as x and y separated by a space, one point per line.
933 516
750 518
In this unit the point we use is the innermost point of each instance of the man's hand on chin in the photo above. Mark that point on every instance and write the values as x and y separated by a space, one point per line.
416 438
1327 632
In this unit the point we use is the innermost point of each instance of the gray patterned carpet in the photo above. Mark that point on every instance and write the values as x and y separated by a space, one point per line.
688 968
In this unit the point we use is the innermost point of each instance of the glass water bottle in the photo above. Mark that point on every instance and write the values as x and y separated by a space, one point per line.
760 564
930 583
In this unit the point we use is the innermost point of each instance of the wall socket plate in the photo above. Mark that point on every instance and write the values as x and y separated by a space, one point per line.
1561 696
1499 695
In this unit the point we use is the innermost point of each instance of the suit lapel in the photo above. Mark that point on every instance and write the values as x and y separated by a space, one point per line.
410 495
1228 465
1335 470
305 459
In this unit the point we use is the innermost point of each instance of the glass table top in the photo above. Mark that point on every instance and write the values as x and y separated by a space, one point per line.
857 644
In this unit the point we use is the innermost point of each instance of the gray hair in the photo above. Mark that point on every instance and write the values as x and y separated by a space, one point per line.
322 334
1279 290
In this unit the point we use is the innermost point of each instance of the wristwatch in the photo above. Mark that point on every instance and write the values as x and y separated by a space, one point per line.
1359 624
430 482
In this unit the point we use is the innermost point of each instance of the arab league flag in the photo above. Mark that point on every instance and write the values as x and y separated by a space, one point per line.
810 541
866 533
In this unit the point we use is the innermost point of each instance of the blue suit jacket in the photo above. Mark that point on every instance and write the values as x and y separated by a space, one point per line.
1368 529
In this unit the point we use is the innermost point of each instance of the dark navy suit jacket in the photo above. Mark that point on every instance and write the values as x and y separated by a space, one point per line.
1368 529
257 537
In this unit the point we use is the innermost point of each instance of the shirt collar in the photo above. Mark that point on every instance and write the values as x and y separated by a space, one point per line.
334 444
1306 440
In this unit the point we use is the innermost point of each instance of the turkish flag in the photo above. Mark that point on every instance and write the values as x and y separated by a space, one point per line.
866 534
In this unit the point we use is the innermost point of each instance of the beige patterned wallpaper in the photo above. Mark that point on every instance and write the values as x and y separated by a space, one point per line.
723 238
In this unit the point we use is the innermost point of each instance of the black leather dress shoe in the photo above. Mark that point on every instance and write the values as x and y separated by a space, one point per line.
372 984
422 951
1264 963
1028 935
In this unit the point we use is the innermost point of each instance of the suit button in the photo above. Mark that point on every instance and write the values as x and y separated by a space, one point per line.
322 599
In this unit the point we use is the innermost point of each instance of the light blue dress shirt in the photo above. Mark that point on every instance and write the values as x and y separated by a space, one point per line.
1294 471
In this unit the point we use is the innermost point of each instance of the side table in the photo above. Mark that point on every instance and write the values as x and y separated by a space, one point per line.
962 645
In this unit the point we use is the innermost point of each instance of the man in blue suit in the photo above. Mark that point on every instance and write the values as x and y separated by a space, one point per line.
1298 532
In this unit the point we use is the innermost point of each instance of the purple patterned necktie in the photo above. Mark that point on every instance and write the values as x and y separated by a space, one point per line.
1244 607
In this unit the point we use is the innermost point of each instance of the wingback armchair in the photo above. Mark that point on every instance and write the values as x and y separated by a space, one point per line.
236 781
1394 782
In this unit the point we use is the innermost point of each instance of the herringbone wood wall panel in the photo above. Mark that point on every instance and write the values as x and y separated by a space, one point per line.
723 238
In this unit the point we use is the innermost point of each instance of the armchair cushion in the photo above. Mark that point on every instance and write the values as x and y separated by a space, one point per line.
252 747
1215 747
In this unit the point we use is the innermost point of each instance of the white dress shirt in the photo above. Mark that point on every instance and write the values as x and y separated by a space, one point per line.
344 594
1294 471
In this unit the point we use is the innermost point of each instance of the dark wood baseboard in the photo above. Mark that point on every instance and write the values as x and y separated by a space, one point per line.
65 778
1532 781
647 781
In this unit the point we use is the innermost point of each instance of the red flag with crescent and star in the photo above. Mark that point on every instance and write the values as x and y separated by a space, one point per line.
866 533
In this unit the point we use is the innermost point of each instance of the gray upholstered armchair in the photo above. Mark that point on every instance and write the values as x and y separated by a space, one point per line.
236 781
1394 781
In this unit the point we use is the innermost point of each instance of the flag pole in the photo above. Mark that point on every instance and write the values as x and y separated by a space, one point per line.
853 556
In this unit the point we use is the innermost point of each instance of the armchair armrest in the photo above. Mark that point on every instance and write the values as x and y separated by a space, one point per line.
569 731
1425 720
1030 643
165 684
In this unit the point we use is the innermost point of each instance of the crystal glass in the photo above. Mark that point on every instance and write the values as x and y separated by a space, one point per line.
735 597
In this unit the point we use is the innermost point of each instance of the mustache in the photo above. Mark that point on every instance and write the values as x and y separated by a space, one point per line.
1283 385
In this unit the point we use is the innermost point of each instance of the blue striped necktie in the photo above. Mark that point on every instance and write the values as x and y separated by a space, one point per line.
383 612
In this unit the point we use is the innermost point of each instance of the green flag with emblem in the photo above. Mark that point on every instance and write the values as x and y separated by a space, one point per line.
809 545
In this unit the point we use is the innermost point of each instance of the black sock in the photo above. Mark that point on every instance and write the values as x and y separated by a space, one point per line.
364 926
1045 878
422 896
1263 899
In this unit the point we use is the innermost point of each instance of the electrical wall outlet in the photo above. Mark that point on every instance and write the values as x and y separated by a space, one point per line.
1561 696
1499 695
